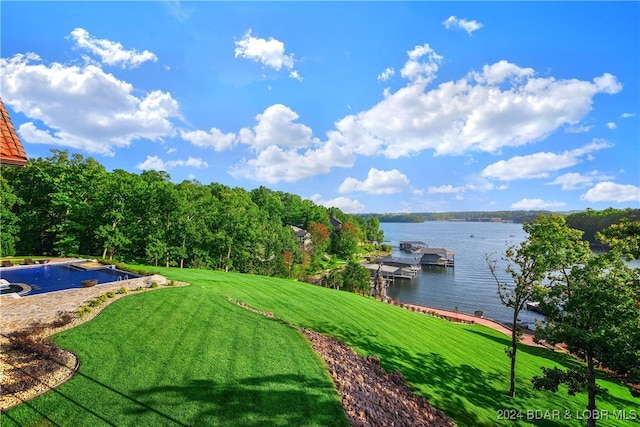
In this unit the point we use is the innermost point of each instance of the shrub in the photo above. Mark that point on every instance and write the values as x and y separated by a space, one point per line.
125 267
64 318
123 290
139 288
154 285
83 310
110 294
26 347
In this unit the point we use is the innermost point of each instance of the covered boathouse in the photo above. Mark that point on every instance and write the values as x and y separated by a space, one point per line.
394 268
439 257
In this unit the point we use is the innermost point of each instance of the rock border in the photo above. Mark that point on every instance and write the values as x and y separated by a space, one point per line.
370 396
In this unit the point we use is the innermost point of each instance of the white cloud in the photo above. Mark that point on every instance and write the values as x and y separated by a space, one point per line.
627 115
539 165
502 71
152 163
276 127
111 53
342 203
156 163
501 106
213 139
294 75
287 151
422 72
270 53
275 164
578 129
573 181
462 23
612 192
451 189
611 125
607 83
386 74
83 107
532 204
377 182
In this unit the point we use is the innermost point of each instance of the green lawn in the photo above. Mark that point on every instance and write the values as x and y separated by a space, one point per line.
187 356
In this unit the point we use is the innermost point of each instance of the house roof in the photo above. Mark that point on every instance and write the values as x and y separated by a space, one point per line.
11 151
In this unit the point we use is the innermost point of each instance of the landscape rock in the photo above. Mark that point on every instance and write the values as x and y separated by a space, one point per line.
371 396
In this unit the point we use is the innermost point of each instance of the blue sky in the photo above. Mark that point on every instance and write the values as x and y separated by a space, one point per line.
370 107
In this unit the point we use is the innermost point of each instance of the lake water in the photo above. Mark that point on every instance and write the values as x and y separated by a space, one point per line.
469 285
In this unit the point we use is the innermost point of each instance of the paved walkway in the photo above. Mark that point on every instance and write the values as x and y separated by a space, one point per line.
19 312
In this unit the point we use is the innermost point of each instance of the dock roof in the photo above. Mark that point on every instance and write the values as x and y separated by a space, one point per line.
399 261
434 251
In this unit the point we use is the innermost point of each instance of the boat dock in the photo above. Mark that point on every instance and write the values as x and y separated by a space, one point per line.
394 268
412 245
440 257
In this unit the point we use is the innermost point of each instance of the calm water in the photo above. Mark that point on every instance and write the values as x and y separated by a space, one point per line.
469 285
49 278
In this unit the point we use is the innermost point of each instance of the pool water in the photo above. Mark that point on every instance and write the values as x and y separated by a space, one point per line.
57 277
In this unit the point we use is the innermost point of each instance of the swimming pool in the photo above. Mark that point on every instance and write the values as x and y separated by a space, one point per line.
57 277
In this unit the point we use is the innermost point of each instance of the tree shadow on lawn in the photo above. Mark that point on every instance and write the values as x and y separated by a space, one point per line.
285 399
565 361
560 358
464 392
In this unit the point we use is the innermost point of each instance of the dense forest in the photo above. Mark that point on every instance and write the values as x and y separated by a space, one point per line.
591 221
485 216
68 205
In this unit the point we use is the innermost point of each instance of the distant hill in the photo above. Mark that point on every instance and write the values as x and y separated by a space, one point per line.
591 221
477 216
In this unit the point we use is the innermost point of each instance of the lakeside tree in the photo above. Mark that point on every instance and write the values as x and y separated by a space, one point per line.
355 277
549 249
345 241
593 309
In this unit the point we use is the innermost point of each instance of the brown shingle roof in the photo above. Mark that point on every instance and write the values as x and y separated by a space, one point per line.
11 151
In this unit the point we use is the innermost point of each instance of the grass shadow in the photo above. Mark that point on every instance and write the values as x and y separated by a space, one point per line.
268 400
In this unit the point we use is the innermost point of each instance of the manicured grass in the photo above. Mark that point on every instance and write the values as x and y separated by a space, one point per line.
188 356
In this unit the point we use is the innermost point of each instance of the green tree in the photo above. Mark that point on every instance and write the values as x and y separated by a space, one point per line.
625 236
594 311
9 221
355 276
320 239
549 249
334 279
345 242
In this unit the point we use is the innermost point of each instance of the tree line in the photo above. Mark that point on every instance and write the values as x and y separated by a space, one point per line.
68 205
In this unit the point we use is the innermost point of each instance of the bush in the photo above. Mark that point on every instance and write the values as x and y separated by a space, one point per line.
139 288
83 310
110 294
123 290
64 318
154 285
125 267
